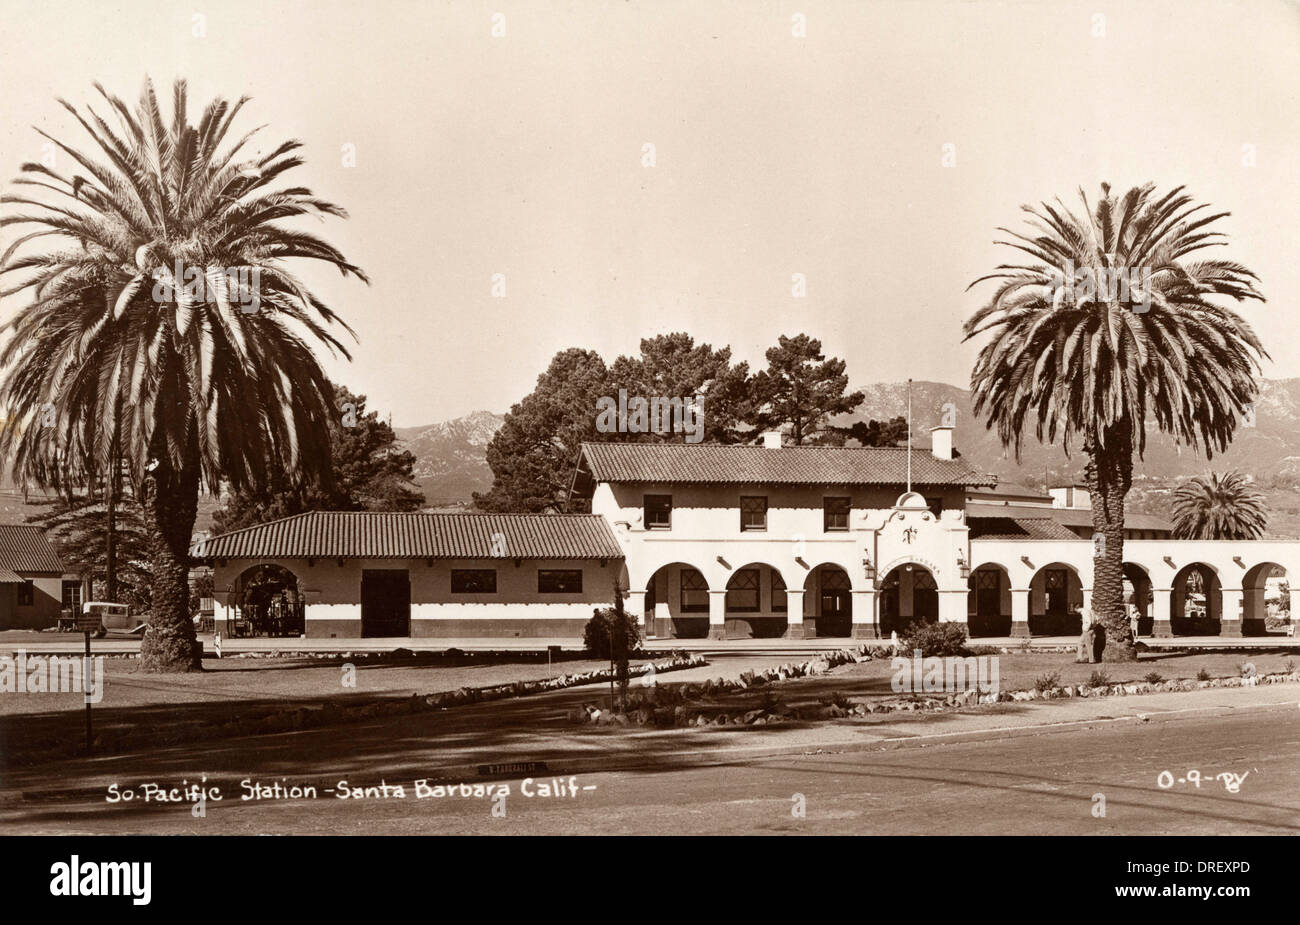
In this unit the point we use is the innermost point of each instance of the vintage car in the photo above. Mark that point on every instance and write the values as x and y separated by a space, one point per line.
113 618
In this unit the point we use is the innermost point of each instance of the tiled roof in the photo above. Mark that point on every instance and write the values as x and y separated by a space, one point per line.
11 578
376 535
1019 528
1005 491
790 465
25 548
1067 516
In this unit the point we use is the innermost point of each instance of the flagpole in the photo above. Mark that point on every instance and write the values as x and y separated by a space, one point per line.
909 436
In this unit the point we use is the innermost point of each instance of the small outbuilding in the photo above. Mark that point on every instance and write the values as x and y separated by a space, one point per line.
344 574
35 587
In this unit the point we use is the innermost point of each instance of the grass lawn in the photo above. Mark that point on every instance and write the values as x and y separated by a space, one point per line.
237 681
870 681
247 688
1018 671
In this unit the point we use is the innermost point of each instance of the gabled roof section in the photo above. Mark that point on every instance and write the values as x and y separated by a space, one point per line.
790 465
384 535
1066 516
1019 528
1008 493
26 548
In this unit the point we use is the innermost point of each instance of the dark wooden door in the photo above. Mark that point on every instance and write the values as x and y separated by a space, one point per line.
385 602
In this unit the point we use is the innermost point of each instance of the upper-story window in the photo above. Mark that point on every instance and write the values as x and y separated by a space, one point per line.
753 513
835 514
935 504
658 512
26 594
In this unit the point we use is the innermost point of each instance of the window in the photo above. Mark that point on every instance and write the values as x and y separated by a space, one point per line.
658 512
72 595
26 594
779 601
753 513
742 591
695 592
935 505
473 581
559 581
835 514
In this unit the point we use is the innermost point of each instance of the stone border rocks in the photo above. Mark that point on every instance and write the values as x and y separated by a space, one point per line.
680 705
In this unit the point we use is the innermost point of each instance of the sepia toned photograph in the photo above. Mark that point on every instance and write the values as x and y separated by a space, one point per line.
649 418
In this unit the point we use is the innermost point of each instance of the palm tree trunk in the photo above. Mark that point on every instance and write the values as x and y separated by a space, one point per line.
1109 474
110 551
114 491
171 506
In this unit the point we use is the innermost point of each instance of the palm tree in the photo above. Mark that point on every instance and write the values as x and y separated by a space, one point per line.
1097 365
1219 507
168 329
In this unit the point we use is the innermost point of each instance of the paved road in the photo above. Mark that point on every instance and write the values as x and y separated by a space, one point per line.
999 783
11 641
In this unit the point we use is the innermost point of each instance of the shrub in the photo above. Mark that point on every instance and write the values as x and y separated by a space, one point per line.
1153 677
1289 666
1098 679
937 639
598 632
1203 675
1047 681
836 699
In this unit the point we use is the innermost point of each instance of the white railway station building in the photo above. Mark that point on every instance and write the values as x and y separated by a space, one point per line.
740 541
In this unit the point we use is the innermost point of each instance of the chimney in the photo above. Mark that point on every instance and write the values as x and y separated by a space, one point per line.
772 440
941 441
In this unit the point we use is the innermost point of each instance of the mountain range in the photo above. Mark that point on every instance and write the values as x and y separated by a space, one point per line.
450 458
451 463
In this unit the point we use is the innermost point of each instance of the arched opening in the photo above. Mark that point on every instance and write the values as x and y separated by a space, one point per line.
832 600
1266 601
1056 601
1137 598
756 603
677 601
988 605
1196 601
265 600
908 594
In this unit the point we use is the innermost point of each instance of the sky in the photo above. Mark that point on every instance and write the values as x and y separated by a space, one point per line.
875 154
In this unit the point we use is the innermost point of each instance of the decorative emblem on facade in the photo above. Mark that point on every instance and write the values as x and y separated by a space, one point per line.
909 535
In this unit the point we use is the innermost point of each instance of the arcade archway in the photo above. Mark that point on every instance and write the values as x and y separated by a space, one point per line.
988 605
908 594
1196 601
1056 601
832 595
1266 600
265 600
677 600
756 603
